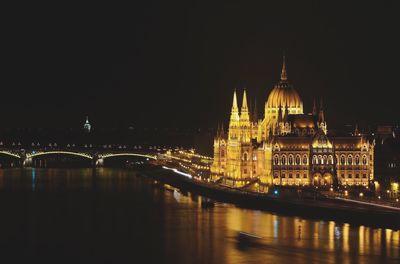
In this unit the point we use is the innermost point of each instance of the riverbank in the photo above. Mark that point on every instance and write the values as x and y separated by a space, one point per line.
317 208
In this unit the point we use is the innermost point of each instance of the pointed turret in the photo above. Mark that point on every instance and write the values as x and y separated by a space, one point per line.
321 119
284 73
234 121
222 131
234 104
255 114
244 104
314 111
356 132
218 132
244 111
235 109
321 116
245 120
87 127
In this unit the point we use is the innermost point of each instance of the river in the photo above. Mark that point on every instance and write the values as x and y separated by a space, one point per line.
115 216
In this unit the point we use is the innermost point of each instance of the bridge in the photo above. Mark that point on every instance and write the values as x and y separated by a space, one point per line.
96 157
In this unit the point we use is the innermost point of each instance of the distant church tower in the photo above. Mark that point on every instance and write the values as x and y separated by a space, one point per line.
87 127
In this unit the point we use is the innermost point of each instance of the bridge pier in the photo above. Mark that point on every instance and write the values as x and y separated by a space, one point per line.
26 162
99 162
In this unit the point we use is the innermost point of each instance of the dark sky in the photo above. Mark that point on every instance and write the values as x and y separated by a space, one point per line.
169 64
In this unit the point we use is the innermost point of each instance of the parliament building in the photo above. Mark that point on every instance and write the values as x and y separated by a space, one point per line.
288 146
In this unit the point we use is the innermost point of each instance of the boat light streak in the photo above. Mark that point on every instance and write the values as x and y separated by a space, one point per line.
179 172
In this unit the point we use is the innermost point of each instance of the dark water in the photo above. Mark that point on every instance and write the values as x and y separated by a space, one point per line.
114 216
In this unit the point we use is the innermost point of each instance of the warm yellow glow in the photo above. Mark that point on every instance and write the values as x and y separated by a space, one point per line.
266 149
395 186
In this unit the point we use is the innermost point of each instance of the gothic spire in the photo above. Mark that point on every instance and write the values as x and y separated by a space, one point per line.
244 104
244 112
234 104
356 130
314 111
222 131
234 113
321 117
255 115
283 73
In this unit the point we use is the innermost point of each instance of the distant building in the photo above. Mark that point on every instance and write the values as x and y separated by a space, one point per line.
87 127
289 147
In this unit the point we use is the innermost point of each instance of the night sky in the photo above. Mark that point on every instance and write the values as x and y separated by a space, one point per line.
176 64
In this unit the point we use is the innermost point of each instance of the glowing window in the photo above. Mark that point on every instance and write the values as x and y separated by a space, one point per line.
364 160
314 160
290 160
297 160
349 160
357 160
276 160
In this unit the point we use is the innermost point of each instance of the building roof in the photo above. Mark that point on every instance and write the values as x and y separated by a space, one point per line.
302 121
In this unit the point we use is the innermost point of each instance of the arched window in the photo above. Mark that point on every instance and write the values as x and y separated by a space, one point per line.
245 156
276 160
357 160
297 159
305 161
325 160
349 160
364 160
330 159
290 159
320 159
314 160
342 160
283 160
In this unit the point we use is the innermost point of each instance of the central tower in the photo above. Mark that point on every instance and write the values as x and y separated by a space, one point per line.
282 99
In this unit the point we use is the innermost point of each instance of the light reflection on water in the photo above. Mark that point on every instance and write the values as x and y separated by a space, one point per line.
169 226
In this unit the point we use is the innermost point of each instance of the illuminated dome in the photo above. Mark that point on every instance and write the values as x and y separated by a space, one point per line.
284 95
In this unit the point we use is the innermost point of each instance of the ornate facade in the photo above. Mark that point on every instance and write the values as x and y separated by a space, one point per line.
288 147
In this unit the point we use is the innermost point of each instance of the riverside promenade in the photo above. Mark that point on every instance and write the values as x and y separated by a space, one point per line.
316 207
